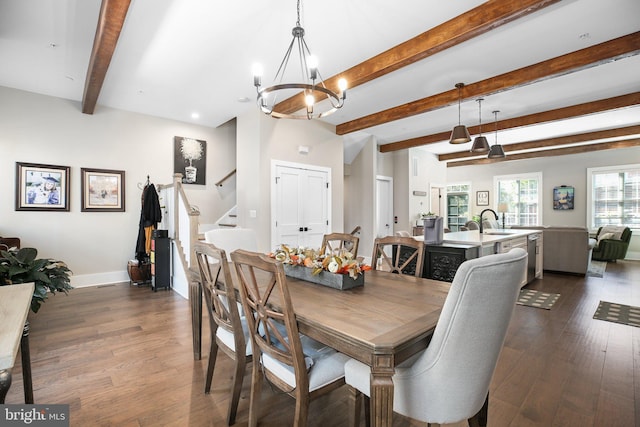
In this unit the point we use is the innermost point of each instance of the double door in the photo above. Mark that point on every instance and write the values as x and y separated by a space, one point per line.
301 214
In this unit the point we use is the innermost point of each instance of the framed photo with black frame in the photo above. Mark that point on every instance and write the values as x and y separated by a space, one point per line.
42 187
482 198
102 190
563 198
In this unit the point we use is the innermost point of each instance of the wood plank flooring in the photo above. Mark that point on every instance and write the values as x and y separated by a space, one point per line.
121 355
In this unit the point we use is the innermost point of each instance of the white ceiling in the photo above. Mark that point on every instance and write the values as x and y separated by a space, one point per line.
177 57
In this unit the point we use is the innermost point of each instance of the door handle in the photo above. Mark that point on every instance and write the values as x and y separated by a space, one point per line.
300 229
306 229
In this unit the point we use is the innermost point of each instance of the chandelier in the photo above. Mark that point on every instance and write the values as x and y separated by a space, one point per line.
311 84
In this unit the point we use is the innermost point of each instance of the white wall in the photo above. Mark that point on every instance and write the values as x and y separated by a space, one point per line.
48 130
262 139
561 170
359 197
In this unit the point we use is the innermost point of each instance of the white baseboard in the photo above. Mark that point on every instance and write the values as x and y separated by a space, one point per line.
635 256
108 278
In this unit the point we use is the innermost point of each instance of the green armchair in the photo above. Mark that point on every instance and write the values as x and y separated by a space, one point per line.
611 249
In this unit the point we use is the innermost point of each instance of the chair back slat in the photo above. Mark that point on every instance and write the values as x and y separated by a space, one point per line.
406 255
219 297
335 243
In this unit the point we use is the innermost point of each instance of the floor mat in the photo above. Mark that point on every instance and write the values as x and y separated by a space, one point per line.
618 313
538 299
596 268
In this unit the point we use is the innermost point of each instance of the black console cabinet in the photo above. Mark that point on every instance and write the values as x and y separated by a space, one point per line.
160 260
442 261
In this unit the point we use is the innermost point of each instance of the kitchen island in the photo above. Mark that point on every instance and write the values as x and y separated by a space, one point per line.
492 241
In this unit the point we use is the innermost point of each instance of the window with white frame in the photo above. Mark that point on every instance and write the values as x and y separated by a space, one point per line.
522 195
458 205
613 196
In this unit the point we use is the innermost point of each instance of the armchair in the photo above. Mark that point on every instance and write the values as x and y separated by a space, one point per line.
609 248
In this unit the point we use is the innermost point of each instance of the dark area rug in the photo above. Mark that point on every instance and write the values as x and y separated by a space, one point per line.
618 313
537 299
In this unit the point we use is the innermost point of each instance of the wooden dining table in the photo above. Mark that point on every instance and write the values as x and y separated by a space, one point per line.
381 324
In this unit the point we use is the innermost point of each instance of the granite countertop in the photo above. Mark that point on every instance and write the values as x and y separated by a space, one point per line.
488 237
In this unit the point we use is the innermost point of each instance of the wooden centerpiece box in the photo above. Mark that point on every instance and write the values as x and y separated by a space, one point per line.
324 278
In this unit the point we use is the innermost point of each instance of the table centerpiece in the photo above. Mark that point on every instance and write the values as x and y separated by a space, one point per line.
339 270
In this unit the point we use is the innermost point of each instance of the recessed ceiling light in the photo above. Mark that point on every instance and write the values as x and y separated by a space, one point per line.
195 115
243 99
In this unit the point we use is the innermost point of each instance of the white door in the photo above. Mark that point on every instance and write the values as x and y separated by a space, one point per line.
384 206
437 200
301 206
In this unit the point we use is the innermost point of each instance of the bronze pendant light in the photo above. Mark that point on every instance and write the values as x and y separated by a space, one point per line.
480 144
460 134
496 151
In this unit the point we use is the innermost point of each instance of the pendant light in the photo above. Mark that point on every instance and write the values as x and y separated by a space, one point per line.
496 151
460 134
480 144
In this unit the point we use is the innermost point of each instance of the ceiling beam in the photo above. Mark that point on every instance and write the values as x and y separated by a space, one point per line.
588 148
577 110
473 23
110 22
552 142
602 53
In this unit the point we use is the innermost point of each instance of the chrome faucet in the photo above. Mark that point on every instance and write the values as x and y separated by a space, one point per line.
482 213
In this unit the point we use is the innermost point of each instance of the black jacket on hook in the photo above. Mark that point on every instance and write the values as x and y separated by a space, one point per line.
150 215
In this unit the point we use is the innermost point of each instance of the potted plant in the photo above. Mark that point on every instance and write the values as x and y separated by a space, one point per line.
22 266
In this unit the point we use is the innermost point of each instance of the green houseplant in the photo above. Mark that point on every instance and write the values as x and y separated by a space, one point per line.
22 266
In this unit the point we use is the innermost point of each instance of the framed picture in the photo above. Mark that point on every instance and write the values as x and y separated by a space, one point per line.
482 198
42 187
102 190
563 198
190 159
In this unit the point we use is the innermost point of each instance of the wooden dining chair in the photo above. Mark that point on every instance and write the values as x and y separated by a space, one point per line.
229 331
336 242
295 364
398 254
449 381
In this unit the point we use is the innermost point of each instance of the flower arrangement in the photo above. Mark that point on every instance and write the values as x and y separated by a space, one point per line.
342 262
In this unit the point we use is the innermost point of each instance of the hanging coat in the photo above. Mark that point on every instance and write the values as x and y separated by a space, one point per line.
150 216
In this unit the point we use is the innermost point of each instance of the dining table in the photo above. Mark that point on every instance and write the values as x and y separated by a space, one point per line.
382 323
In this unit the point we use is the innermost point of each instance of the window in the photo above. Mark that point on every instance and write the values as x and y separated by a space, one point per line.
457 205
614 196
522 194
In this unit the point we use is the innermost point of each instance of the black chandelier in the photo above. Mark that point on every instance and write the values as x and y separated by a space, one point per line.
311 83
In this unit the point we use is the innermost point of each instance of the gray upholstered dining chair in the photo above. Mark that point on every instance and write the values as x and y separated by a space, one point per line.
449 381
336 242
402 255
228 329
294 363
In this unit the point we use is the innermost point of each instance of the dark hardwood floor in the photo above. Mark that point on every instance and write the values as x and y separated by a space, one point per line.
121 355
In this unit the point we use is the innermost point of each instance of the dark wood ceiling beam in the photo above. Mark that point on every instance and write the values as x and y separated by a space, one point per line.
552 142
110 22
588 148
577 110
464 27
602 53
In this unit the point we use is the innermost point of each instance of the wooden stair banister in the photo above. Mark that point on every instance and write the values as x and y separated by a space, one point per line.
227 176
